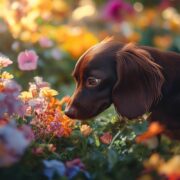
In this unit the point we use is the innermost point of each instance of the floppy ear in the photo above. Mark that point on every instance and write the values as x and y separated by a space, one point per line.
139 81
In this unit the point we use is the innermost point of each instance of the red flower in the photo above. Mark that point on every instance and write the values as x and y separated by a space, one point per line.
106 138
174 176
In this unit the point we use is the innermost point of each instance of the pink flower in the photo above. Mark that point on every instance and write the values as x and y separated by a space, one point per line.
116 10
27 60
75 162
4 61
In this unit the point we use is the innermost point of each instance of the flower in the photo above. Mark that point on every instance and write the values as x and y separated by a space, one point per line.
4 61
155 161
40 83
65 100
116 10
69 36
85 130
6 75
74 167
47 92
27 60
52 167
75 162
168 168
46 111
13 143
154 129
25 95
9 102
70 169
171 167
106 138
38 150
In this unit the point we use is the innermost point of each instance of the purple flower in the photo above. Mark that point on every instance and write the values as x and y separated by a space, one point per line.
74 167
13 144
116 10
27 60
70 169
53 167
9 102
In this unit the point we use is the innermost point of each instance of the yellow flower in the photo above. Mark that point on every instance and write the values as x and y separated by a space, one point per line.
25 95
68 37
171 167
154 162
48 92
168 168
163 42
6 75
85 130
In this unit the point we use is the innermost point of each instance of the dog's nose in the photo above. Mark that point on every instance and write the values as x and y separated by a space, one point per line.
71 112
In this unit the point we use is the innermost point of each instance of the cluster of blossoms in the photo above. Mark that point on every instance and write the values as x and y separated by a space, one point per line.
13 142
46 111
169 169
9 90
69 169
11 149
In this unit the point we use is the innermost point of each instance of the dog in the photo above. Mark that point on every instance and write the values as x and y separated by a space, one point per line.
136 79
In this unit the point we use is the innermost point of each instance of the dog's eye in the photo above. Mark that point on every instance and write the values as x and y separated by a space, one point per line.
92 82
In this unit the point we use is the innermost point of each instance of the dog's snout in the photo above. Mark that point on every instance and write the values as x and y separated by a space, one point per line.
71 112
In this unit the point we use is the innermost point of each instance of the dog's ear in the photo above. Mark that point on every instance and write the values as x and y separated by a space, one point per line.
139 81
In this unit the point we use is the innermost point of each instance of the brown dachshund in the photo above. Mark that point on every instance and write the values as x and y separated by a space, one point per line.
136 79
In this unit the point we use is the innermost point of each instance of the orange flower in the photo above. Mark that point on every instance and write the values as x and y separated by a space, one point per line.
154 129
106 138
170 168
65 100
54 113
85 130
1 87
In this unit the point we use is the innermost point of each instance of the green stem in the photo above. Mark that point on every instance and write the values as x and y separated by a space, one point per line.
51 138
114 138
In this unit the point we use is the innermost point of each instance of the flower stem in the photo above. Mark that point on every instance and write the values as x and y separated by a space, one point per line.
114 138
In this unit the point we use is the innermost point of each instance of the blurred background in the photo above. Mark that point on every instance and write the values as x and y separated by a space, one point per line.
61 30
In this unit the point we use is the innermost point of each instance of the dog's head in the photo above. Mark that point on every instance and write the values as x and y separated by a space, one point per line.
111 72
